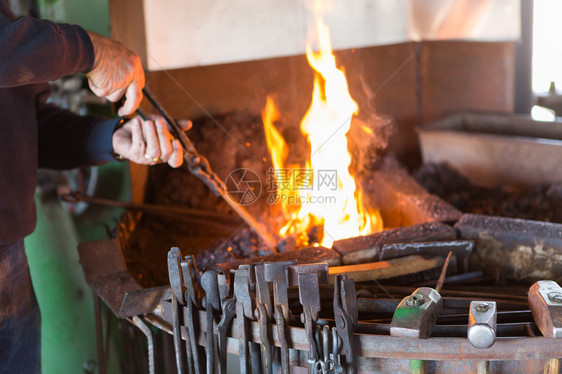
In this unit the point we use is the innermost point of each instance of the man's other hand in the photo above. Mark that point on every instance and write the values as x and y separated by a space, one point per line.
116 71
149 142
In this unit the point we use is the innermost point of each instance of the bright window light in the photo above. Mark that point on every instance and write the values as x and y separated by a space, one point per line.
539 113
547 45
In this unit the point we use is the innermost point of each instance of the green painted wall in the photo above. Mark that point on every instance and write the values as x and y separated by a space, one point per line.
93 15
67 314
68 340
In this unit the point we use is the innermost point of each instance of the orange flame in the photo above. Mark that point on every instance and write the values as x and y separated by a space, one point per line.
332 200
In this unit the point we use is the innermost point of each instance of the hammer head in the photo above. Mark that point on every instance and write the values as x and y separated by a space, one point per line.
416 314
482 324
545 301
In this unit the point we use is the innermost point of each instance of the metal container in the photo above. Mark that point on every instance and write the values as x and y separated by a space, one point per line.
492 149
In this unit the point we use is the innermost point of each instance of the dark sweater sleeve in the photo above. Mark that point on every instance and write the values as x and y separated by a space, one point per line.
67 140
39 51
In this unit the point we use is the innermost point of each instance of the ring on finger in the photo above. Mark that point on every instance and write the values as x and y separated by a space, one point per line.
152 159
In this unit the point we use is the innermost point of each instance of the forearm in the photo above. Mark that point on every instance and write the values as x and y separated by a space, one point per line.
38 51
67 140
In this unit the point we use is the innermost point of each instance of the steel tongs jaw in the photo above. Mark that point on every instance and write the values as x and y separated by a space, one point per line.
264 313
308 278
209 282
183 282
310 300
193 298
190 277
243 284
263 294
228 314
228 308
346 316
277 273
178 288
174 273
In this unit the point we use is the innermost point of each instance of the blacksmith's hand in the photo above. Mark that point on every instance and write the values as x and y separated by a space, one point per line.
116 71
149 142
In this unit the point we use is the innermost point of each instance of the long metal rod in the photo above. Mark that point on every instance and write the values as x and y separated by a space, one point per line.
150 341
99 335
178 349
75 196
441 279
191 155
218 221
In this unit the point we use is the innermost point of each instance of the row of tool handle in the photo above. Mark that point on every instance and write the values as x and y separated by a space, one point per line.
258 293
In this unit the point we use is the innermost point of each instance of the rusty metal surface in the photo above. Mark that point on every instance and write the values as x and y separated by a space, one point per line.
369 365
461 248
138 302
383 346
448 341
494 150
523 250
368 248
106 273
446 331
101 257
545 300
403 202
301 256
